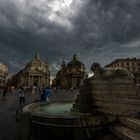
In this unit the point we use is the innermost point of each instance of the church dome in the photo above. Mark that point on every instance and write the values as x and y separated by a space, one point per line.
76 64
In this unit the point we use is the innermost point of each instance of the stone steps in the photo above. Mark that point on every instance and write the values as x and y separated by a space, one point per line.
117 105
113 99
125 133
112 81
122 111
112 87
130 111
133 123
115 93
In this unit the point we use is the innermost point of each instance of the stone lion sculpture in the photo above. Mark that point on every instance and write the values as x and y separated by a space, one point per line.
101 72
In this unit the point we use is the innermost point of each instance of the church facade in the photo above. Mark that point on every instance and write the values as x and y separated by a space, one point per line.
70 75
36 73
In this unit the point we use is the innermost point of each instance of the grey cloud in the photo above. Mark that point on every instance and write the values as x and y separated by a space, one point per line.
97 30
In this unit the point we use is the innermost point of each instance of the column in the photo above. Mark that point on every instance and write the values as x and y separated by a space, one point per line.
44 79
40 82
37 82
32 80
73 82
29 81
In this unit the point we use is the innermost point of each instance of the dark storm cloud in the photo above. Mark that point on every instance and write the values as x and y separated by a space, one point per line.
97 30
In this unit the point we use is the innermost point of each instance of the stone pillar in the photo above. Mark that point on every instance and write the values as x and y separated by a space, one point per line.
29 81
73 82
32 80
44 81
81 81
39 81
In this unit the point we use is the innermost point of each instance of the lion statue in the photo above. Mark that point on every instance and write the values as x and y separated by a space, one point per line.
101 72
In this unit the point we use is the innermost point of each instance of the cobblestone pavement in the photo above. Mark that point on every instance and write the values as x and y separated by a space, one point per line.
10 104
8 107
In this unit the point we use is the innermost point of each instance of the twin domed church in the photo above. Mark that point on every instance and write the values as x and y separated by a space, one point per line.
70 75
37 73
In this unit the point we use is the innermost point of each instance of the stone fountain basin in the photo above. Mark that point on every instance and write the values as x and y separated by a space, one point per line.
61 113
57 121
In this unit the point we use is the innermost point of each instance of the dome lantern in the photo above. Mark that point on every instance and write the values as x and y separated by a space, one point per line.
37 57
63 65
74 57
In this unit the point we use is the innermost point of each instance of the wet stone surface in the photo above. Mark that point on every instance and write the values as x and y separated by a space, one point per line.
10 104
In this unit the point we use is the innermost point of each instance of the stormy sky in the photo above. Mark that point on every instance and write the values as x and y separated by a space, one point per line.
97 30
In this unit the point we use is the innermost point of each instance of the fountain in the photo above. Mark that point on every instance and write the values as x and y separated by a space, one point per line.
107 97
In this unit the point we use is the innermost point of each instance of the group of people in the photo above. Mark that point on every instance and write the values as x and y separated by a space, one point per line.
45 94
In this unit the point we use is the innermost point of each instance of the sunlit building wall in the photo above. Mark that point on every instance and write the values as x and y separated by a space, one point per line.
131 64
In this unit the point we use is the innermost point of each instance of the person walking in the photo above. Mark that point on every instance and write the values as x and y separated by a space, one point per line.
21 95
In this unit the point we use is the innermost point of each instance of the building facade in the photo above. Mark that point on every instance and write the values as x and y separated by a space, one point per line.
3 74
36 73
131 64
70 75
